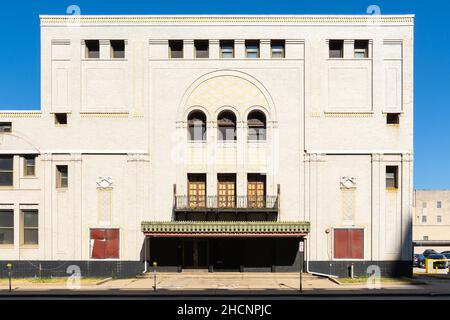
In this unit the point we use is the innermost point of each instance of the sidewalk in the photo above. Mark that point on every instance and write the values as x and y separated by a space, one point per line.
217 283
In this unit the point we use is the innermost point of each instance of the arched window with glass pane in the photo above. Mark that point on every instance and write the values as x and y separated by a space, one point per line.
226 125
256 122
197 126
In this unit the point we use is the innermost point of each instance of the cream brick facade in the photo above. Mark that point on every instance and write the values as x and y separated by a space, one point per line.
127 120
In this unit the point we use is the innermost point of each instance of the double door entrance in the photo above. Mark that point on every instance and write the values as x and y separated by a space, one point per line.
195 253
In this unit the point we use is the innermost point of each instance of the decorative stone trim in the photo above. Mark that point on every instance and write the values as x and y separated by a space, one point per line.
18 114
158 42
60 42
104 114
233 227
356 114
294 19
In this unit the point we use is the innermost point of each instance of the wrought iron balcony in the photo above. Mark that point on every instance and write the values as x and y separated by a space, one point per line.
226 203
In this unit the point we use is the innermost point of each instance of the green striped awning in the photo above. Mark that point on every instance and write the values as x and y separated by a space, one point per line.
224 228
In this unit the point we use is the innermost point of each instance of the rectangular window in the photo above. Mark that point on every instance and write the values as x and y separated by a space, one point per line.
424 219
424 205
92 49
252 49
361 49
5 126
336 48
62 178
201 49
227 49
391 177
61 119
439 204
6 170
439 219
30 227
176 49
393 118
277 49
348 243
426 238
117 49
104 243
6 227
29 165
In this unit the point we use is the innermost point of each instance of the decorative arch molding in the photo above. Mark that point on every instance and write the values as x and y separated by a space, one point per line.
257 108
188 111
188 102
12 142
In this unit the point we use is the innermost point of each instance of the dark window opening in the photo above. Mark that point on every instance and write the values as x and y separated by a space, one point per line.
226 125
256 122
62 177
393 118
6 227
92 49
5 126
201 48
30 225
392 177
277 48
197 126
118 49
252 49
361 48
226 49
176 49
61 119
336 48
29 165
6 170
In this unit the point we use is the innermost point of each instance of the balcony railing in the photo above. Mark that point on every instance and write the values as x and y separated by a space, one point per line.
226 203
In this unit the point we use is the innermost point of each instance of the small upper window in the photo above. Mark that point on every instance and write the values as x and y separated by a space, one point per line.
277 49
252 49
6 226
61 119
439 219
5 126
336 48
117 49
29 165
424 219
424 204
30 227
92 49
176 49
226 49
439 204
361 48
392 177
201 48
62 177
426 238
393 118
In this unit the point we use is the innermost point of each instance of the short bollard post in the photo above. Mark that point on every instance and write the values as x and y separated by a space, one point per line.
9 267
154 275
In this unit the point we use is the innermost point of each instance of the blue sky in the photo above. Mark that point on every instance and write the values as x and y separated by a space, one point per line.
20 69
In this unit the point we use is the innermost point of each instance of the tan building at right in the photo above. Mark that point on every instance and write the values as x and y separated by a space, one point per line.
431 217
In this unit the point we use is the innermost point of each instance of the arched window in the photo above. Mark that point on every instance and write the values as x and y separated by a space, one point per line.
226 124
256 121
197 125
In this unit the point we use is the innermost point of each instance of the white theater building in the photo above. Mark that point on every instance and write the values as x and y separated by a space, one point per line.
214 142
